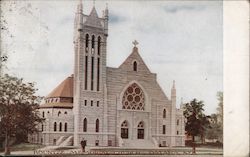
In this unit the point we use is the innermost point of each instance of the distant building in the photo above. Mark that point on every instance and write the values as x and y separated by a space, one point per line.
106 106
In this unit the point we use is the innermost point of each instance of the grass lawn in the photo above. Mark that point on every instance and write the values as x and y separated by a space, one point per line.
24 147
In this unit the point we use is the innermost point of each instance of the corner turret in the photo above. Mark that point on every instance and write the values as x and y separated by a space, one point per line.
106 18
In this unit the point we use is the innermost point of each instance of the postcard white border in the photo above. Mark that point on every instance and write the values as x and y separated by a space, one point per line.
236 78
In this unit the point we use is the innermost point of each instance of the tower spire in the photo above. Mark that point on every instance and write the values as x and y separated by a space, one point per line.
79 15
106 18
106 11
173 114
173 90
173 87
79 7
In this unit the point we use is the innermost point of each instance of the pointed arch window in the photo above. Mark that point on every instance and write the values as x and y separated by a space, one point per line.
99 45
86 73
85 125
92 73
133 98
59 113
140 130
60 126
87 41
93 42
97 125
164 113
98 75
54 126
124 130
164 129
65 127
135 66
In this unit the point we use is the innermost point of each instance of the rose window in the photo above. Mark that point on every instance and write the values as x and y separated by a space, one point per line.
133 98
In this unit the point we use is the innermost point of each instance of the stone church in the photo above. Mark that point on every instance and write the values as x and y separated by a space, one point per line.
116 107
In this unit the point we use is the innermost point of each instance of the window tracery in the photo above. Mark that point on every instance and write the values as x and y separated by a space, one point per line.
141 125
133 98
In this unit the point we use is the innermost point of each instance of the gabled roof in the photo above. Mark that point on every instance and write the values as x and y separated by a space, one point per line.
93 19
64 89
134 56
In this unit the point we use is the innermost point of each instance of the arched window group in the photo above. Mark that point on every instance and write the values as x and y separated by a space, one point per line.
59 113
133 98
125 130
50 100
93 72
61 126
87 39
85 125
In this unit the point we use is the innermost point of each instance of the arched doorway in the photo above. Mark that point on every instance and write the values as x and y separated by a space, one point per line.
140 130
124 130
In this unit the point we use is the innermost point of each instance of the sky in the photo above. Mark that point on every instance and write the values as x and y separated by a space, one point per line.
178 40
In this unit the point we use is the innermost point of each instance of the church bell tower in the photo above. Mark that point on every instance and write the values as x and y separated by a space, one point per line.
90 106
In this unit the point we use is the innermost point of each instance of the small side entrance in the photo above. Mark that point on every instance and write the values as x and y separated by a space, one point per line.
124 130
140 130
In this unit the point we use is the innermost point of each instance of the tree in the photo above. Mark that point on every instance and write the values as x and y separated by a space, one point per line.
216 129
220 107
220 116
18 108
212 131
196 120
